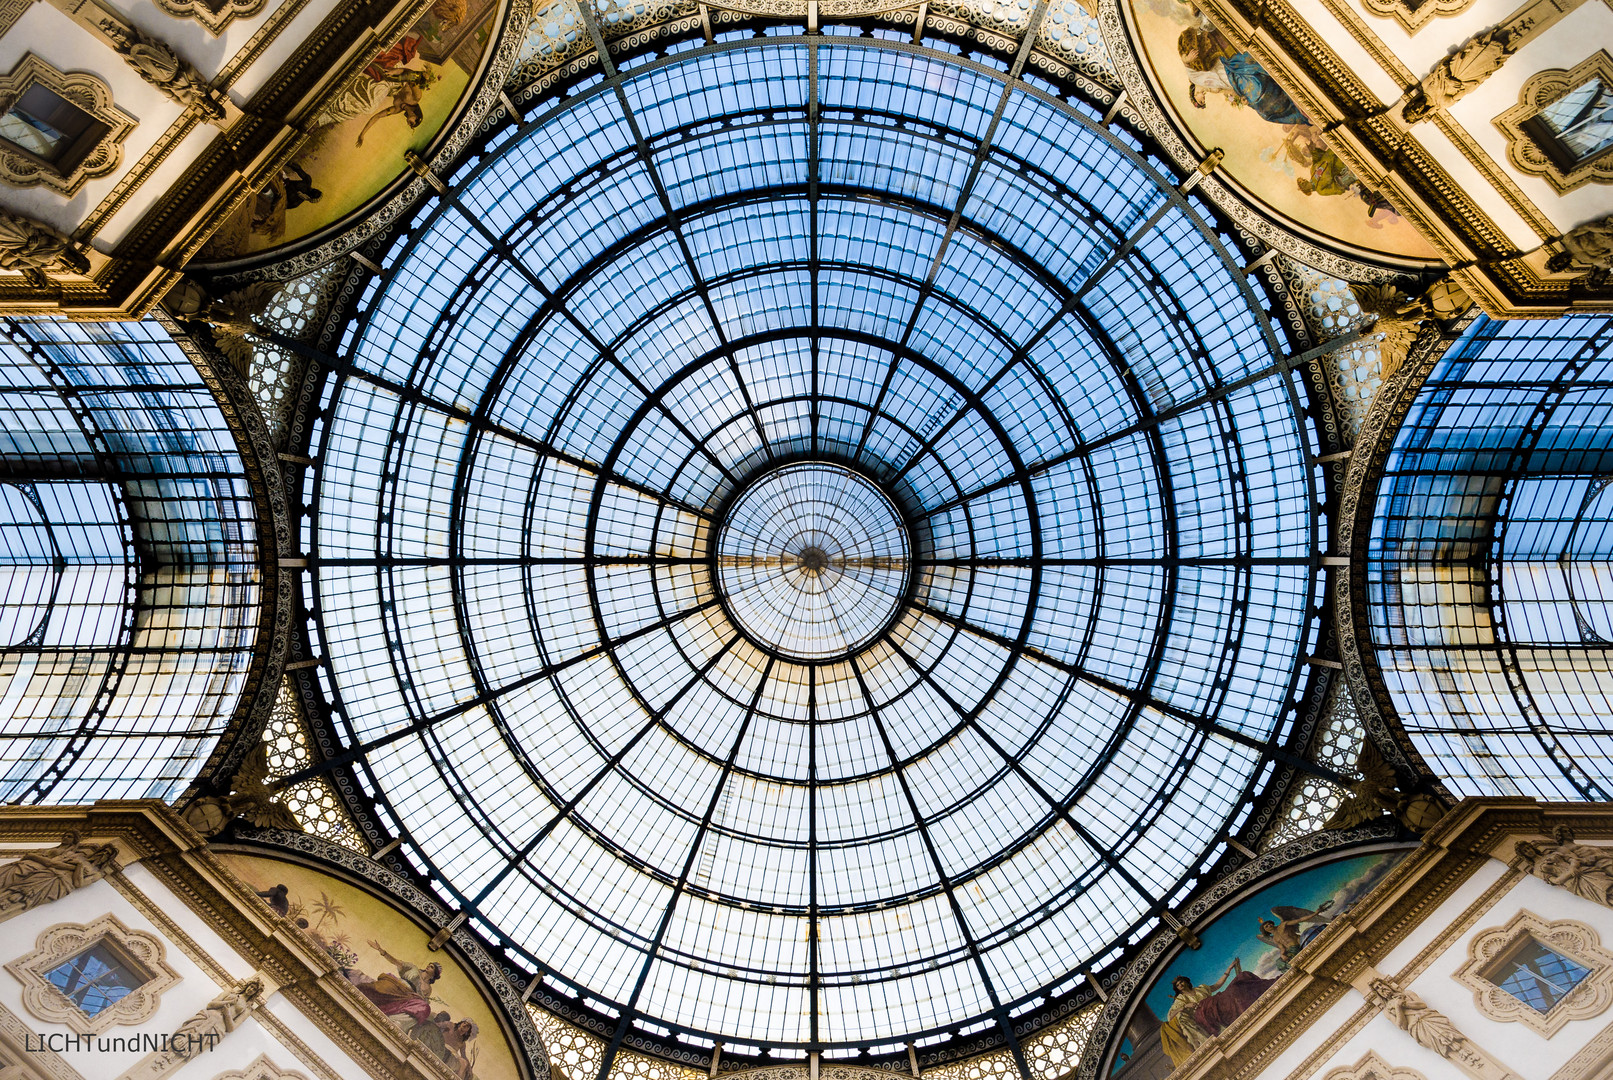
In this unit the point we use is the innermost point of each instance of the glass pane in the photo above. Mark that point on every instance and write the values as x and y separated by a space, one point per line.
95 979
1540 977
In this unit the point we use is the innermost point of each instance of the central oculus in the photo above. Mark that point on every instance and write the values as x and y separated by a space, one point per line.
813 560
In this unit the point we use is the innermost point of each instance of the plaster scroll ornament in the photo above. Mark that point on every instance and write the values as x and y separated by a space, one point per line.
233 316
38 877
251 797
1583 870
1377 793
1463 70
34 249
160 66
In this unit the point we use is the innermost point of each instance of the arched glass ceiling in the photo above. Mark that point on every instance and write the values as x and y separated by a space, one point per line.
129 586
960 308
1490 569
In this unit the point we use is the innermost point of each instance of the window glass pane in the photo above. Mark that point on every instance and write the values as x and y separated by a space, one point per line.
1581 121
1539 977
95 979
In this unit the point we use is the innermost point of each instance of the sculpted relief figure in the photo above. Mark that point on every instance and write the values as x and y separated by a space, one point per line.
1463 70
33 248
201 1032
1411 1014
161 67
1590 244
1581 869
38 877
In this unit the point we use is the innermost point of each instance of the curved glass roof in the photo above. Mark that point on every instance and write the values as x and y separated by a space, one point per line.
885 305
1490 566
130 594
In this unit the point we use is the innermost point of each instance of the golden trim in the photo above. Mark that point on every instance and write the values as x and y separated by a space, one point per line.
1541 89
86 92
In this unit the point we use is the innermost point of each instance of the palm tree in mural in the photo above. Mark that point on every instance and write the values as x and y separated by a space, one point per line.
327 909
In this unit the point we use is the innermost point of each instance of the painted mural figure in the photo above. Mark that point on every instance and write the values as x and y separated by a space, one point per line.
1283 933
1202 1011
1215 65
406 993
1244 951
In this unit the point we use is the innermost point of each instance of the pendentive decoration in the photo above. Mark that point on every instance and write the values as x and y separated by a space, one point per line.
38 877
250 798
60 159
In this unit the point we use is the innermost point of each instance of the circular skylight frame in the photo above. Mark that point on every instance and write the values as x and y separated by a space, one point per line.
1307 478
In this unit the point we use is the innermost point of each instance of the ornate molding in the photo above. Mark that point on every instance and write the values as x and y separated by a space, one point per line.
84 162
261 1068
1543 88
1373 1067
214 15
143 953
38 877
1412 15
1566 937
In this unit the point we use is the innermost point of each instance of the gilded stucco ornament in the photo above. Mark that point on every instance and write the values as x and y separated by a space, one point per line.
202 1032
250 798
1434 1031
160 66
1588 245
1465 69
83 160
1377 793
1401 318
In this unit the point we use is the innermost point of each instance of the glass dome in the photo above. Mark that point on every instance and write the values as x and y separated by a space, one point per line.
814 544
